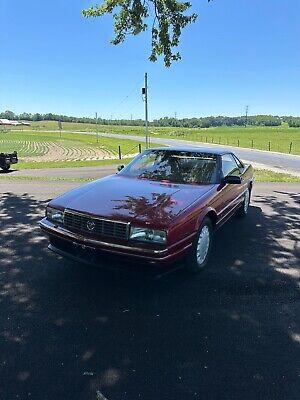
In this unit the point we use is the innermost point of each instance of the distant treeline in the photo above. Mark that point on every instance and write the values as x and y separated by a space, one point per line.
65 118
207 122
203 122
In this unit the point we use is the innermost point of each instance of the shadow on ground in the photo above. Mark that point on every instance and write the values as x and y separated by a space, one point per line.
7 172
232 332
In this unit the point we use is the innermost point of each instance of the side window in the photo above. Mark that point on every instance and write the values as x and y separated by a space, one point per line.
229 165
239 163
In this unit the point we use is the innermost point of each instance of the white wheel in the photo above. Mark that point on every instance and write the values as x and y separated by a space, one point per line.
243 211
203 244
198 256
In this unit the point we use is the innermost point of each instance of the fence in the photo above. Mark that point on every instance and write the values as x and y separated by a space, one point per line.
289 147
280 145
130 152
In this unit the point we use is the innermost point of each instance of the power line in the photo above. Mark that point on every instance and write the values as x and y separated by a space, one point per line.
132 107
135 88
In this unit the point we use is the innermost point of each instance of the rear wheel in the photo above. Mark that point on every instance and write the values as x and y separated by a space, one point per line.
243 211
198 256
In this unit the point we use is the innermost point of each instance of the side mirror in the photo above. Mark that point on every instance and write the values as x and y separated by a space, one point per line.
232 180
120 167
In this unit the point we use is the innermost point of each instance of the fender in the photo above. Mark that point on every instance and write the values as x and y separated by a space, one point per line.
211 213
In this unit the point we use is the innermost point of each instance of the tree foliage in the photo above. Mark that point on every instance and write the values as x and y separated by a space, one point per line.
293 122
167 18
214 121
200 122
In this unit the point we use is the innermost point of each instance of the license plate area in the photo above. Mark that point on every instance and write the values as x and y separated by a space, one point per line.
80 246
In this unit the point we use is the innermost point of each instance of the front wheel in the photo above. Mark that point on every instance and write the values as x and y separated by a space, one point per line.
198 256
6 167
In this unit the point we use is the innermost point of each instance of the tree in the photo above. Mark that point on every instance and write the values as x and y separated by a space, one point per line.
132 16
8 115
37 117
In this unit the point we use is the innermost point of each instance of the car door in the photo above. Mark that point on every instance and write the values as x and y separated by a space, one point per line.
231 194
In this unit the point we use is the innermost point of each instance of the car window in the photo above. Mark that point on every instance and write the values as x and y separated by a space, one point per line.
146 161
229 165
239 163
175 166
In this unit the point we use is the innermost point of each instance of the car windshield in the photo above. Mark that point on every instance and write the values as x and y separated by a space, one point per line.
174 166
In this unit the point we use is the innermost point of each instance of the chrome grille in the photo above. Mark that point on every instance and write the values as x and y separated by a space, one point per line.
98 226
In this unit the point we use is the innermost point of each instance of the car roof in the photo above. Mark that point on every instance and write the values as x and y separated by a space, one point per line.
205 150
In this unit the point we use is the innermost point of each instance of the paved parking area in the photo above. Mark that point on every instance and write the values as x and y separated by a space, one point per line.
68 331
70 173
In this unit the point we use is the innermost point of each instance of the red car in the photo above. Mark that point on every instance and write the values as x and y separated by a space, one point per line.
163 206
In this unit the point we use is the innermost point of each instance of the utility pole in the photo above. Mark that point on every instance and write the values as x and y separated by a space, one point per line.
59 127
145 93
246 120
96 114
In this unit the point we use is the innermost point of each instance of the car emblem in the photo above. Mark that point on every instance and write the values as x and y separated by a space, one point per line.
90 225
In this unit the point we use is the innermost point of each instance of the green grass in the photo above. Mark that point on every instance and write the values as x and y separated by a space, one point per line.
43 178
68 164
278 138
264 175
263 138
30 144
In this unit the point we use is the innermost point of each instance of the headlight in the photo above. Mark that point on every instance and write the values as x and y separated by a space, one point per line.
55 215
148 235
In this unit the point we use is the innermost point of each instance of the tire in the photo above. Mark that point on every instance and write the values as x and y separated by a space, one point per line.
195 261
6 168
243 210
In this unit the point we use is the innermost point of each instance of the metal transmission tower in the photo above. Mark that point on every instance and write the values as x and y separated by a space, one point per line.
96 115
145 94
246 115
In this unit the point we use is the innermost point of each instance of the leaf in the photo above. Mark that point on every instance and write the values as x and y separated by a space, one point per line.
131 17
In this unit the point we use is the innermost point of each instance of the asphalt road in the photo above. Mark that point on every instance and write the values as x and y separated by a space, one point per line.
285 162
71 332
74 172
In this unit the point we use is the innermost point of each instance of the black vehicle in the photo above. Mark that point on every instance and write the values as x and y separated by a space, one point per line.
6 159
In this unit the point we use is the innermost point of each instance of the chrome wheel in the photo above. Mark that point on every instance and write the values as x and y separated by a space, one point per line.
203 244
246 201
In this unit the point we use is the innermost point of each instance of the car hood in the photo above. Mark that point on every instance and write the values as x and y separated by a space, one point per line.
132 199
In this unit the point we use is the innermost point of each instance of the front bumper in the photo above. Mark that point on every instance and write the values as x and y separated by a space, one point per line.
71 244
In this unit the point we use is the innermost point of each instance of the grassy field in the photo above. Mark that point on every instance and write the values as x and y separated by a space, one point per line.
48 149
263 138
263 175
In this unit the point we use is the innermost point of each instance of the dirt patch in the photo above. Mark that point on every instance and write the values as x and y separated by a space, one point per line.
58 152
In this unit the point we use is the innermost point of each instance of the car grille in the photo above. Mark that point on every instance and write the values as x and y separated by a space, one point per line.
98 226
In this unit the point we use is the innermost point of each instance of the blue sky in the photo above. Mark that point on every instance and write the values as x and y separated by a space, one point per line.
238 53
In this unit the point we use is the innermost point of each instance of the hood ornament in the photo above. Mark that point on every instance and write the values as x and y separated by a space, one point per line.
90 225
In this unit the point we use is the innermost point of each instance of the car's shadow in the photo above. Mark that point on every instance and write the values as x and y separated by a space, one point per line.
231 332
8 172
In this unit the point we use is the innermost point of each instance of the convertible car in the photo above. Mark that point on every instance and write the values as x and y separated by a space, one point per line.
165 205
